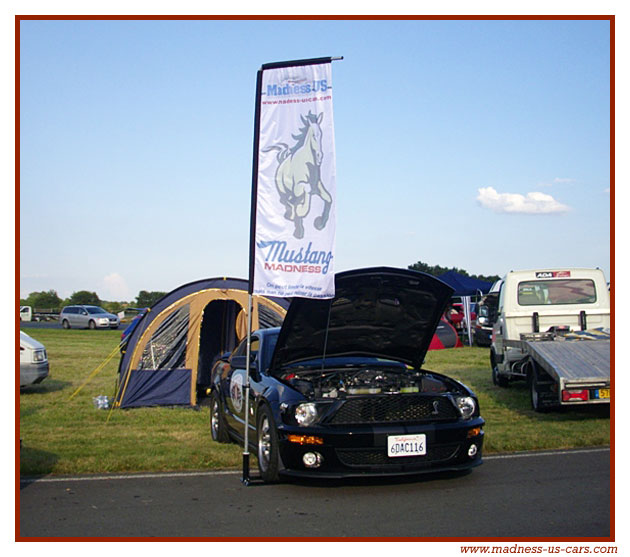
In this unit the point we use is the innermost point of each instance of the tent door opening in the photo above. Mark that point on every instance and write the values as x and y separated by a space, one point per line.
216 337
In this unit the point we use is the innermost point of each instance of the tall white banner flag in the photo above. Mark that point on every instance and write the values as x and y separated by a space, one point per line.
296 189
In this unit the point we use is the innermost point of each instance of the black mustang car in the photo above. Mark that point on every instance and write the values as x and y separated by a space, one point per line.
339 389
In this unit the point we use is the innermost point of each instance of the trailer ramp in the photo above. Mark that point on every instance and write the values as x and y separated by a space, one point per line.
573 361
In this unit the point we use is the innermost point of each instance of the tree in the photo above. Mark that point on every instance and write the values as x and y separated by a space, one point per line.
437 270
83 297
43 300
147 299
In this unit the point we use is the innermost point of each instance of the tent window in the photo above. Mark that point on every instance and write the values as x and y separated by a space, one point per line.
167 347
268 318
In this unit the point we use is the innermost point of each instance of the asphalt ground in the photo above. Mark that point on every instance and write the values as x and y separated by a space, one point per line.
558 494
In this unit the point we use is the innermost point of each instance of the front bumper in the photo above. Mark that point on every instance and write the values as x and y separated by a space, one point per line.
33 373
362 450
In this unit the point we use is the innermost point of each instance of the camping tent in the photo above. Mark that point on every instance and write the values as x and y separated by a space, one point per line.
465 287
171 351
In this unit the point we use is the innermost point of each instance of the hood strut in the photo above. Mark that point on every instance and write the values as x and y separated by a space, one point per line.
326 334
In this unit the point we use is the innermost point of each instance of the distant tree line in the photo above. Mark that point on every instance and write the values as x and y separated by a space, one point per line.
49 299
437 270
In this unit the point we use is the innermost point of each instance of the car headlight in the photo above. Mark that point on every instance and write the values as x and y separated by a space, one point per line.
482 320
305 413
466 406
103 320
39 356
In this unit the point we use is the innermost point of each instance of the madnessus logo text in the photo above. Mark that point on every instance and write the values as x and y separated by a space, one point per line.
297 87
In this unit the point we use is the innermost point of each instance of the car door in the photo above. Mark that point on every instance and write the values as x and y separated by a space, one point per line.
233 385
498 328
83 318
73 314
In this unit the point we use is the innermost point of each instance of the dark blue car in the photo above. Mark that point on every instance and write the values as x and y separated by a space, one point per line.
339 390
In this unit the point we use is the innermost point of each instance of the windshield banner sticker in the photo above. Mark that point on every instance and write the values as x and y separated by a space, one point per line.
295 210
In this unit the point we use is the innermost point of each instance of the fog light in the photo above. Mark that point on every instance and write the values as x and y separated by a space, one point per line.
472 451
312 460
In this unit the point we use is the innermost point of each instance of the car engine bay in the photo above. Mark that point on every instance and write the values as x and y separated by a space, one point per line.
337 383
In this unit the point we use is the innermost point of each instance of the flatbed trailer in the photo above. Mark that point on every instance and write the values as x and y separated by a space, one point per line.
565 370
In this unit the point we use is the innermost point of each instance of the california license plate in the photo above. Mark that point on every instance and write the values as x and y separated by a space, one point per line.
603 393
407 445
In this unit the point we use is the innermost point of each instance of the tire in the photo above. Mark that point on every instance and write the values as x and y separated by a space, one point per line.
534 383
92 325
267 446
498 379
65 324
218 429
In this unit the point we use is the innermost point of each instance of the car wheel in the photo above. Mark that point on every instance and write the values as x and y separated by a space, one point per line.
218 429
498 379
267 445
92 325
65 324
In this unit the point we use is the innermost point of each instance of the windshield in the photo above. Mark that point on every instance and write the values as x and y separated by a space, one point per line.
268 348
556 292
96 310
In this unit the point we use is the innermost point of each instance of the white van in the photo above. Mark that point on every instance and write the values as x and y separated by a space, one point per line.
544 305
33 361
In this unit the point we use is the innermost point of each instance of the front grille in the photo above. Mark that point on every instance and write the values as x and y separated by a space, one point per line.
375 457
394 408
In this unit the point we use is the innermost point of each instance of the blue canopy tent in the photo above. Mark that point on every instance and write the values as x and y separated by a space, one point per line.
465 287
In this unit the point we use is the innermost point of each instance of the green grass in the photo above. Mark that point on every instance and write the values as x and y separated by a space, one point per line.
61 435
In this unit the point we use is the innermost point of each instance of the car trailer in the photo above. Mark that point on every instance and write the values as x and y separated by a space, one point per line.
564 369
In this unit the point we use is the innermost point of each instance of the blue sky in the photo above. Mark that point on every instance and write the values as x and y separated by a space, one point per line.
477 144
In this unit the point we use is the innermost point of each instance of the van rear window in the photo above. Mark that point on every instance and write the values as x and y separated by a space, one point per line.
556 292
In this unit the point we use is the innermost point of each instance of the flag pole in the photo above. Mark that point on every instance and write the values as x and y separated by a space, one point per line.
252 247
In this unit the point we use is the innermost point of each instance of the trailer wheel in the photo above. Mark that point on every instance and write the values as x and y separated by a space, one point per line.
498 379
539 383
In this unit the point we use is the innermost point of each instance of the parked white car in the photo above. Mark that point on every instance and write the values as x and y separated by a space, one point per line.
33 361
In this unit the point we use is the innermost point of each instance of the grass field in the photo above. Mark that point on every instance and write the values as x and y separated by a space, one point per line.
61 435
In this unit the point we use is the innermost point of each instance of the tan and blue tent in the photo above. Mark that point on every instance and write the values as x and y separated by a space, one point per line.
168 357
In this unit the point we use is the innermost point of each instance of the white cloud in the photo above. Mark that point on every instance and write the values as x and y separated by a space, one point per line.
115 288
534 203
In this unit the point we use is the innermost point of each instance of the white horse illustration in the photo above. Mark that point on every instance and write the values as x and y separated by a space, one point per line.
298 176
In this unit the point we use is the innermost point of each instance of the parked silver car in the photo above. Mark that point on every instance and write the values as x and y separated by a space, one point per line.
87 317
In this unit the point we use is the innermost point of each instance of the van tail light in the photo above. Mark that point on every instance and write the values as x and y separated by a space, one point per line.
574 394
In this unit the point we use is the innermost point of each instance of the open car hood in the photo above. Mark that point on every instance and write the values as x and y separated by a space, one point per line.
380 312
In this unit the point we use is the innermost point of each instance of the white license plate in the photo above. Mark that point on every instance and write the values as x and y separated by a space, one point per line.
407 445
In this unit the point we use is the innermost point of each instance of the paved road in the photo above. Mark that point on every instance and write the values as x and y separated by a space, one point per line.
562 494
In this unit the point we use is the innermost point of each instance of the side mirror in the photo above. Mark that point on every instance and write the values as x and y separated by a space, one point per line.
240 362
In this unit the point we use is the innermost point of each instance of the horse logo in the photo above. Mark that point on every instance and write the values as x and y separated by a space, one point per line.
298 176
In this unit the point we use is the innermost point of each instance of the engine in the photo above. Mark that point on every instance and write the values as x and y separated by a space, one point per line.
364 381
